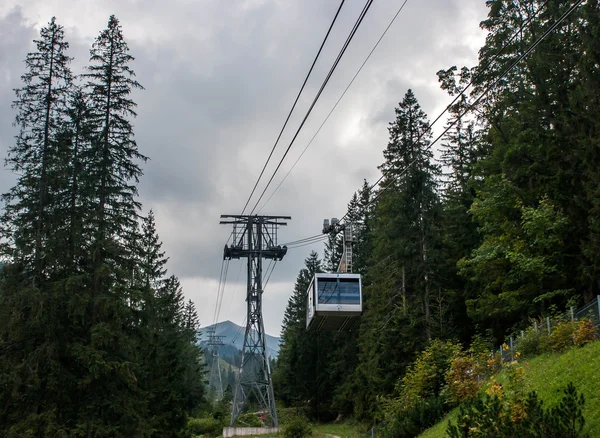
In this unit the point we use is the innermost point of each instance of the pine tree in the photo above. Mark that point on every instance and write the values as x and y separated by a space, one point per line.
191 323
333 252
397 319
540 127
107 344
31 331
112 172
41 110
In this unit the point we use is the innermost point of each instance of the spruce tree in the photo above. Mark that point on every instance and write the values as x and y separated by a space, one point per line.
41 110
109 349
32 336
397 319
112 171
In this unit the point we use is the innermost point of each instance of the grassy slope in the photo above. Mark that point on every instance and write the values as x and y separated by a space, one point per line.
342 430
548 374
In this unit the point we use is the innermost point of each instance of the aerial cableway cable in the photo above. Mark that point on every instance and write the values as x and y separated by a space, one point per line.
218 291
308 243
316 236
314 102
220 302
294 105
336 104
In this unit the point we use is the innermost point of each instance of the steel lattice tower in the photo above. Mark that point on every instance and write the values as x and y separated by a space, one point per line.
215 341
254 238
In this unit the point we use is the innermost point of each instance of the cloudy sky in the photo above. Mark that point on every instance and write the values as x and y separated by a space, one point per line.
220 77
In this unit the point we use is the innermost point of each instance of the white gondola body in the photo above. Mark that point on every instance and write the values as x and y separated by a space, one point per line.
334 302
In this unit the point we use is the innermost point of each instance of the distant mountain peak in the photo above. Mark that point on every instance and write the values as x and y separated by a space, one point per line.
233 335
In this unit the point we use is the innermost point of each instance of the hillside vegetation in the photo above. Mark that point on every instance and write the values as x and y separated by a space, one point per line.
548 374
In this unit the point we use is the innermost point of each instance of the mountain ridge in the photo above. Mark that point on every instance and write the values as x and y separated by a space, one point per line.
233 336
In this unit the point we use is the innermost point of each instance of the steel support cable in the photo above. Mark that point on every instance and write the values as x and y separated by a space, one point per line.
239 331
308 243
333 67
303 240
223 289
336 104
294 105
474 78
218 291
236 285
487 90
269 275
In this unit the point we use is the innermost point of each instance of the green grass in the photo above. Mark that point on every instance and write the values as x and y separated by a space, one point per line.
548 374
342 430
439 430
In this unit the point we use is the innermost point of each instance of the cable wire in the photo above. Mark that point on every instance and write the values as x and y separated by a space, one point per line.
294 105
336 104
333 67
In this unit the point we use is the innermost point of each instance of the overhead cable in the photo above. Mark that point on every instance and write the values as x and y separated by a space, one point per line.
333 67
294 105
336 104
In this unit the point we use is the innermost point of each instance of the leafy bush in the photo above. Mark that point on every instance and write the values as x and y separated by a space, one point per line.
564 334
249 420
463 379
426 376
297 427
285 415
585 332
492 416
204 426
414 420
419 402
533 342
561 336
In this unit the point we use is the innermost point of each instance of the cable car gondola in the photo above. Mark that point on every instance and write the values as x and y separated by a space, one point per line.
334 302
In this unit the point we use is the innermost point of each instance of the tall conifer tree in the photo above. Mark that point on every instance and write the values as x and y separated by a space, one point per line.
41 110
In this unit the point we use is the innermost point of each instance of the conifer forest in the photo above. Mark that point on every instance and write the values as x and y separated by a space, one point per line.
467 238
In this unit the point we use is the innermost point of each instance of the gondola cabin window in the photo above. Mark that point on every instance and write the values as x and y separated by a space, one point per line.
334 302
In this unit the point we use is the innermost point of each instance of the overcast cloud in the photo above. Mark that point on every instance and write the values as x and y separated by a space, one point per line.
220 77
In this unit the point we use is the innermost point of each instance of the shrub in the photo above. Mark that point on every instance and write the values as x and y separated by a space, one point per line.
585 332
415 419
561 337
533 342
426 376
297 427
419 401
249 420
492 416
204 426
463 379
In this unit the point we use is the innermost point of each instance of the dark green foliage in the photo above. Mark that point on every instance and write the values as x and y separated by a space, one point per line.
419 400
41 106
414 420
400 286
488 416
297 427
95 341
204 426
